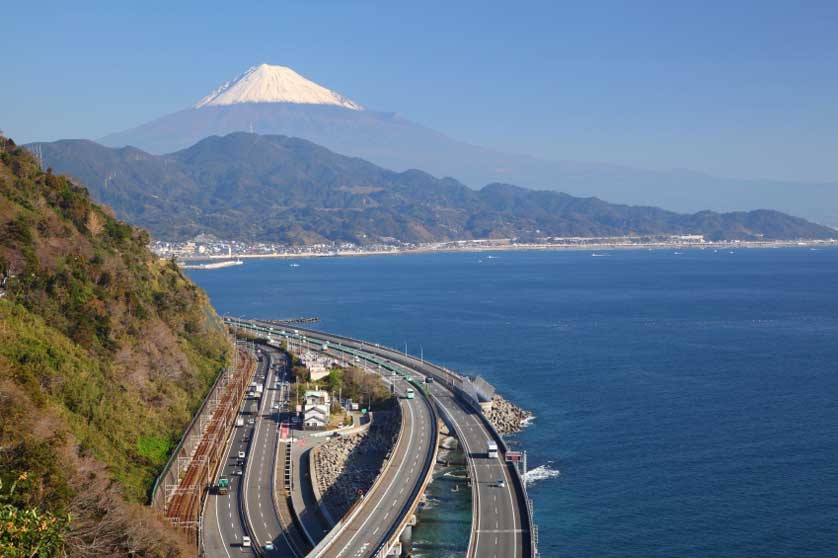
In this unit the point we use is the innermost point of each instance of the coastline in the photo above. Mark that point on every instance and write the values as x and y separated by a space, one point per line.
501 246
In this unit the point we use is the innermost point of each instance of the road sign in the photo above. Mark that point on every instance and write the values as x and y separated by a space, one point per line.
513 456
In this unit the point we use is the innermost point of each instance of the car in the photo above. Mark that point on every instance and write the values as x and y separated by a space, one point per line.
500 483
276 405
269 546
241 455
238 472
246 541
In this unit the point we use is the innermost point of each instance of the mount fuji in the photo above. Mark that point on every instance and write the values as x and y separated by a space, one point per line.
274 84
271 100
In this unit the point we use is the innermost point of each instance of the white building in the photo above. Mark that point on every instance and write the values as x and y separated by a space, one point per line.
316 410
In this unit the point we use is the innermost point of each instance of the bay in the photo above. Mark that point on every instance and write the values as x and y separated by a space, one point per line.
686 403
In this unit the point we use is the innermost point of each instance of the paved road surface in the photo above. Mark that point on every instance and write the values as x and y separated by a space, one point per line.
252 483
223 521
498 532
259 477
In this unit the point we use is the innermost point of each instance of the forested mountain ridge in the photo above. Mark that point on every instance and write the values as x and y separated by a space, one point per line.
105 354
276 188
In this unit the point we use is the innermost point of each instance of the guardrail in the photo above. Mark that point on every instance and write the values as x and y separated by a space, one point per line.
430 459
342 523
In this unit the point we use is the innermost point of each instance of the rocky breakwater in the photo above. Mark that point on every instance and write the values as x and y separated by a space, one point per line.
506 417
347 466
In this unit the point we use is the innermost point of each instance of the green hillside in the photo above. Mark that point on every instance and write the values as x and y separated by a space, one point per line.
105 354
282 189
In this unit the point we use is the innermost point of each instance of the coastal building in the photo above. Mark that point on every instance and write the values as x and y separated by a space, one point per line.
316 410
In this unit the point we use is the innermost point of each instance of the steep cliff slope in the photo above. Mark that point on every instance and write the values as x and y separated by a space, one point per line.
105 353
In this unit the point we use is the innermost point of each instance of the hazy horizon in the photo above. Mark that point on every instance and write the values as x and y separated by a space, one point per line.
742 90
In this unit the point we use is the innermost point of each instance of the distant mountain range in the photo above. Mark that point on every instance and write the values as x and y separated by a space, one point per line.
275 188
276 100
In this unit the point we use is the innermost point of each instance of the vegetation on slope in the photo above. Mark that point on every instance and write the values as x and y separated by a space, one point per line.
275 188
105 354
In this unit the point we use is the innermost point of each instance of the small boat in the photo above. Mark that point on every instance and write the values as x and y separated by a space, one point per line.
294 265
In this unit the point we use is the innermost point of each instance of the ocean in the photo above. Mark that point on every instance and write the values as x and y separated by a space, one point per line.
686 403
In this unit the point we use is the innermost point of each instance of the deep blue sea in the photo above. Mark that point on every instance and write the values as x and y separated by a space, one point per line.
689 401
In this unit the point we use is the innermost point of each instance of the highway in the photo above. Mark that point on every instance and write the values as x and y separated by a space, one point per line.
385 507
223 519
499 522
248 508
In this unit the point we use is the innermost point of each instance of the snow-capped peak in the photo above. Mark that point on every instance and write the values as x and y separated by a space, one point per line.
274 84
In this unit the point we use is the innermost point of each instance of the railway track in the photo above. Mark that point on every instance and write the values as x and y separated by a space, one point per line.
183 508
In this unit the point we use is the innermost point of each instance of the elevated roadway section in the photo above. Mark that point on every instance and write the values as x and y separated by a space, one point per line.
373 526
502 525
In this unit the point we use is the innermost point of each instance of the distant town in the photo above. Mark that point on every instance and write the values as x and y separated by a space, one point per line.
204 248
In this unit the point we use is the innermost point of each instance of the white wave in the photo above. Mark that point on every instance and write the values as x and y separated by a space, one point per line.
454 475
541 472
430 503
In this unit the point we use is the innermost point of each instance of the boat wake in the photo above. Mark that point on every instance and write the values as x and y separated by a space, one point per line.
542 472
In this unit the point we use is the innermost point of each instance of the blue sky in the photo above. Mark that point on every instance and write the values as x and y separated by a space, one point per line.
732 88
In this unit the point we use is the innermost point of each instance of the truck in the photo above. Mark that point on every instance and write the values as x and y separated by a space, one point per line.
492 450
260 388
239 421
223 486
410 395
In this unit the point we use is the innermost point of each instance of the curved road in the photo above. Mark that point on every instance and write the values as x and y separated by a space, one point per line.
498 531
393 494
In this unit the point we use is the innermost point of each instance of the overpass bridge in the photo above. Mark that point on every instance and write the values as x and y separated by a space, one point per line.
502 522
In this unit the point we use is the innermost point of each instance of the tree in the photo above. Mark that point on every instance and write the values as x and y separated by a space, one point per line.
29 532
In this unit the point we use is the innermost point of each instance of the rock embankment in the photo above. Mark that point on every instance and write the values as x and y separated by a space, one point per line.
349 464
506 417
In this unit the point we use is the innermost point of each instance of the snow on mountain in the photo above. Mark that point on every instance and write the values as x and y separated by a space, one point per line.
274 84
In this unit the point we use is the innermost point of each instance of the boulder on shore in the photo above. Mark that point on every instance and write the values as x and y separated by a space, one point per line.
506 417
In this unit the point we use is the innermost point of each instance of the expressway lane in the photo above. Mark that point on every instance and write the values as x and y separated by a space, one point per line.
392 495
498 529
259 475
224 527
